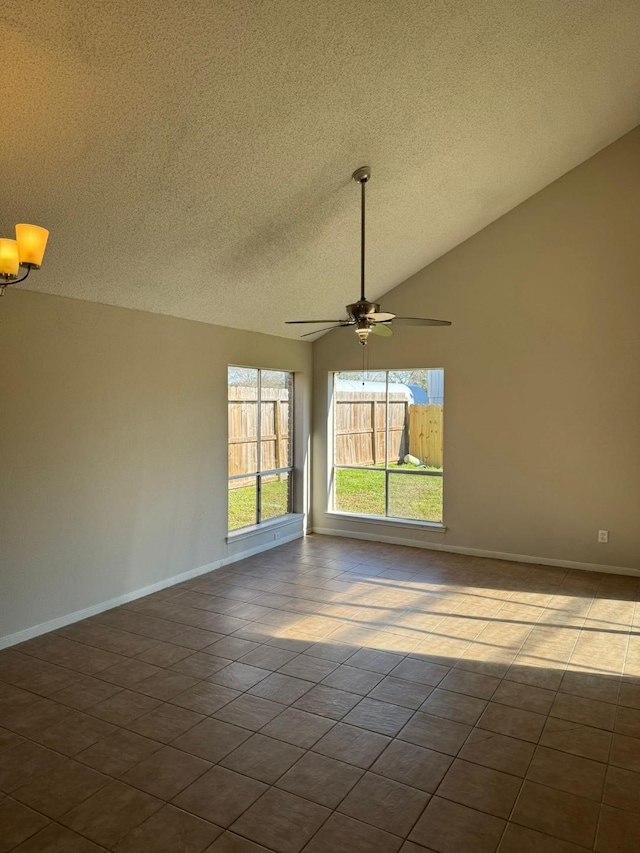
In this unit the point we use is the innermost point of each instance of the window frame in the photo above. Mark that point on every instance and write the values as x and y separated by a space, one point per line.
260 473
333 466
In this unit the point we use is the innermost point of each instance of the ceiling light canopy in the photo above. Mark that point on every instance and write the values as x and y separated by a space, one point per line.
26 251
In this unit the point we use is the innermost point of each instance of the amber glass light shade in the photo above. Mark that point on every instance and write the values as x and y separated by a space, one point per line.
9 258
32 241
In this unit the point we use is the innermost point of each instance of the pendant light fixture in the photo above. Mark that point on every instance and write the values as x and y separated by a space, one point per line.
26 251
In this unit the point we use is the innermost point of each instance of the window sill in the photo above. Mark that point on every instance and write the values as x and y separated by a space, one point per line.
429 526
264 527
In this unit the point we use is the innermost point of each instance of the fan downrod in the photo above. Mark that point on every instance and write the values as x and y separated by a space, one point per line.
364 316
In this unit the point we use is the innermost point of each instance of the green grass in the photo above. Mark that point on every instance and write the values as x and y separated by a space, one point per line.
410 496
361 492
358 491
242 503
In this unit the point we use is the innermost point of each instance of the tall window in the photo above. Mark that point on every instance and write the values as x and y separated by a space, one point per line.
387 444
260 446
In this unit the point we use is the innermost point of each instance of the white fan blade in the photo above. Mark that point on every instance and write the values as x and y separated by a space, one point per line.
380 316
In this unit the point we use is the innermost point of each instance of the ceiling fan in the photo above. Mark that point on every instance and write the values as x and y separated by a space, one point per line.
365 316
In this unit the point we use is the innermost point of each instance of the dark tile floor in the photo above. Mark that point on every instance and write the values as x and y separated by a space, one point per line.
333 696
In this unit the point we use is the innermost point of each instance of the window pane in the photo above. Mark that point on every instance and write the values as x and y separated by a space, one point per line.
275 445
242 503
260 439
243 377
243 439
243 421
425 429
416 496
274 496
360 492
360 413
276 379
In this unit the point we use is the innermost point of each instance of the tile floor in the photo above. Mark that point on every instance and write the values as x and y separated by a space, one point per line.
333 696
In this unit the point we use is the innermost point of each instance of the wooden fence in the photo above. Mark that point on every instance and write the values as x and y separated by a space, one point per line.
243 431
360 430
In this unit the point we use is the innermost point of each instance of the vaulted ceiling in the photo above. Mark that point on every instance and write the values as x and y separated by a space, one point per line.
194 159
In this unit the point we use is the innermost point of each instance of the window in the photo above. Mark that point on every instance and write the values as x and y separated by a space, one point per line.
260 451
387 444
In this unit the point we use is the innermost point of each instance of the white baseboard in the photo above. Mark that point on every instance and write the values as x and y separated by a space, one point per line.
477 552
85 613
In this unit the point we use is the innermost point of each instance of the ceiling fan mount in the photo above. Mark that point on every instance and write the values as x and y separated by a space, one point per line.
362 175
366 316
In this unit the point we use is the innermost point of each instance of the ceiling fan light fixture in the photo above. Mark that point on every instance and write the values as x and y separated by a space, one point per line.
365 316
363 330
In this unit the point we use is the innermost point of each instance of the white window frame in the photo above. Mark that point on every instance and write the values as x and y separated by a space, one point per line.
260 473
332 467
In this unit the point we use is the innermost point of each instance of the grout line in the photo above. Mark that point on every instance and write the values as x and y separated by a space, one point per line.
304 615
524 777
608 763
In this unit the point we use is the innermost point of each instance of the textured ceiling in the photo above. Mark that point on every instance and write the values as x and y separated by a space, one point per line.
194 159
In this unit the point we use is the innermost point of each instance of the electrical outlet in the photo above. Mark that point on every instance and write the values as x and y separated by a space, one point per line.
603 536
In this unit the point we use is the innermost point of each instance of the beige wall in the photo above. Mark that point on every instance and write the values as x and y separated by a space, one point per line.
542 372
113 453
113 422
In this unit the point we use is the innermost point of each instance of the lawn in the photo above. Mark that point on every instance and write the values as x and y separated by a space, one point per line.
357 491
410 495
242 503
